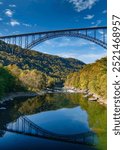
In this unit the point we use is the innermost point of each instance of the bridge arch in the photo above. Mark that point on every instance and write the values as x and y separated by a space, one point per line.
29 40
66 34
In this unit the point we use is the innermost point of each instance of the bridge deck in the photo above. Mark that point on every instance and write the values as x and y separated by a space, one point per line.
53 31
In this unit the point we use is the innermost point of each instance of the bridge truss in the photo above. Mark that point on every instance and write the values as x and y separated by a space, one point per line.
30 40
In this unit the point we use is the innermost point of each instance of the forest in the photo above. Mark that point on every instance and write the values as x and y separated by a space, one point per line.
13 79
28 70
91 76
54 66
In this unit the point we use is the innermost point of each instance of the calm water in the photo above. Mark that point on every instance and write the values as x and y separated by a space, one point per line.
58 113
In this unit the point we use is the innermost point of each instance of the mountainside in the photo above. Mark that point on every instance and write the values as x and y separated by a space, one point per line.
92 76
53 66
28 70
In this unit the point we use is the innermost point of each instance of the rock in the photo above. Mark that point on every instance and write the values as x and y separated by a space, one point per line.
102 101
71 91
93 99
86 96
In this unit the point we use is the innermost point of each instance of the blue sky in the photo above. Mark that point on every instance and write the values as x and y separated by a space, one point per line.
20 16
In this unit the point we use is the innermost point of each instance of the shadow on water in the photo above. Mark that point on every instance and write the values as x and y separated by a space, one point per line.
69 113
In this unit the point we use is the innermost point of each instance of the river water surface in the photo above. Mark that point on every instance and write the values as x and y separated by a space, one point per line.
58 113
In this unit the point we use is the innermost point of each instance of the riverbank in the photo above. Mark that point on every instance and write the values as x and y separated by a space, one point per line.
11 96
87 94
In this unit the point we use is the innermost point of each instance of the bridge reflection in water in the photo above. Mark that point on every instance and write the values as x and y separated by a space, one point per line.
25 126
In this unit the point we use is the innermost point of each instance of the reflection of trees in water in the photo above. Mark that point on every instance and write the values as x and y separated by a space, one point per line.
27 106
48 102
97 117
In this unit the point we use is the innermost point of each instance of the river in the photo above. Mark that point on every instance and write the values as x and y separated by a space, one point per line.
62 113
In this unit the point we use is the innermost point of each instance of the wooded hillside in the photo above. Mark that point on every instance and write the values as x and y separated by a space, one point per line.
92 76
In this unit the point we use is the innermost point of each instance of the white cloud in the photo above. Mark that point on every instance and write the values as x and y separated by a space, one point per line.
89 17
103 36
14 22
101 32
81 5
12 5
87 58
104 11
1 3
27 25
98 22
67 55
64 42
9 12
16 32
93 56
1 19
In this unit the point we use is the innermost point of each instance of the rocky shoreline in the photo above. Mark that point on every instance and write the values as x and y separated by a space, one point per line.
86 93
11 96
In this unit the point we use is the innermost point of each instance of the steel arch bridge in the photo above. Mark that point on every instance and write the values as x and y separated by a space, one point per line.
29 40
